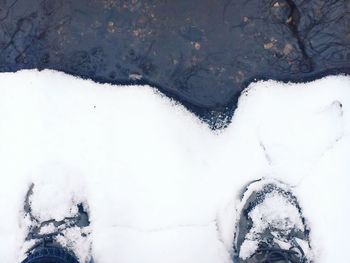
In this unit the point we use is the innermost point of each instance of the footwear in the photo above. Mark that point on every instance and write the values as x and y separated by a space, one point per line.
271 228
50 254
53 240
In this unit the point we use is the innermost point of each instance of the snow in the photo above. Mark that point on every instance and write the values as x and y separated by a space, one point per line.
159 184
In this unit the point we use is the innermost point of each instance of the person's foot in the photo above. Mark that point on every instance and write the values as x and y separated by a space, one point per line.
55 240
271 227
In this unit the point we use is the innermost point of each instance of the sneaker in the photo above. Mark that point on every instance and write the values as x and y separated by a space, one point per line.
271 227
56 241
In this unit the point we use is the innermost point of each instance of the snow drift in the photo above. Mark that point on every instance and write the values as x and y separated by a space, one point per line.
160 185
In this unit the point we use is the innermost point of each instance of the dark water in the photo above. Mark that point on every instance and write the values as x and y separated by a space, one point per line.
202 53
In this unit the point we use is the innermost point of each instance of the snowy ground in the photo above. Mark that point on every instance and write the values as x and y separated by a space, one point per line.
160 185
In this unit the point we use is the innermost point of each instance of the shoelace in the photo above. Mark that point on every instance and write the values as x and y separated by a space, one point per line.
48 239
267 254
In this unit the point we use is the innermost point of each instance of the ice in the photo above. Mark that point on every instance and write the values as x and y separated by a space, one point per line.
159 184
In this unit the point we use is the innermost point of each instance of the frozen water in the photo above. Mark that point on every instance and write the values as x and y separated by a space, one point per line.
160 185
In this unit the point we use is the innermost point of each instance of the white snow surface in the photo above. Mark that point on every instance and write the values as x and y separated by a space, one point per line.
159 184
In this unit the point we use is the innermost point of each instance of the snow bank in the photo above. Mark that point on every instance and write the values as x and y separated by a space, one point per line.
160 185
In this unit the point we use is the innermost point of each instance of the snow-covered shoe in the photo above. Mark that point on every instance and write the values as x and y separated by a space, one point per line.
64 240
271 227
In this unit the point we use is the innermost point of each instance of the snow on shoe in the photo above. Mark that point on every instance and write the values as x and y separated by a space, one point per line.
271 227
56 222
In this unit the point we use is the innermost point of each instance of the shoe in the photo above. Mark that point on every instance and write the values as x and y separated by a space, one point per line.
56 241
271 227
